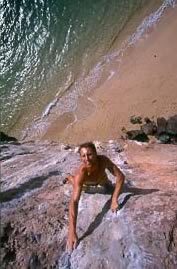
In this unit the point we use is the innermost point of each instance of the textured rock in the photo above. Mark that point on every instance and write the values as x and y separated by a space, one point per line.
136 119
34 209
34 206
137 135
161 125
164 138
149 128
165 130
172 125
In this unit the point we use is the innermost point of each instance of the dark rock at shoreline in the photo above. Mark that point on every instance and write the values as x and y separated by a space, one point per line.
147 120
149 128
161 125
136 119
172 125
137 135
165 130
164 138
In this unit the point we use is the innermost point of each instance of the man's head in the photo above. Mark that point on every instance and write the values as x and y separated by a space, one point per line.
88 153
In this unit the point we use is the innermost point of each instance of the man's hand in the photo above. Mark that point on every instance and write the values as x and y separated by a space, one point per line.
72 242
114 206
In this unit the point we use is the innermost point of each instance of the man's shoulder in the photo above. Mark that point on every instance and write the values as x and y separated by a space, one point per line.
80 174
82 169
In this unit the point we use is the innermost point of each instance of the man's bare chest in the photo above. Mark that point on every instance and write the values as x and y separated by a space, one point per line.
95 176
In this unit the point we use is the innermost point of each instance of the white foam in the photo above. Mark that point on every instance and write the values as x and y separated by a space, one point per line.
150 21
49 107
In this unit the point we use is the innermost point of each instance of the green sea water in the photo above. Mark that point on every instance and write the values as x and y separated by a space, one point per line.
47 47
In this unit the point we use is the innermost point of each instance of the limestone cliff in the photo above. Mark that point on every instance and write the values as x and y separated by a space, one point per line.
34 209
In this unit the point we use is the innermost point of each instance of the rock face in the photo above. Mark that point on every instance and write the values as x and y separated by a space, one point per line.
34 209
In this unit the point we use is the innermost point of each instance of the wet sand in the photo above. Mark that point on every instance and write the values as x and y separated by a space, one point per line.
146 85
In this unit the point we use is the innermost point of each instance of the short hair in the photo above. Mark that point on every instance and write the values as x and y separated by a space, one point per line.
87 145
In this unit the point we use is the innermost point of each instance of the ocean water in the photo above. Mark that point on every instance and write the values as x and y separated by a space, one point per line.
53 51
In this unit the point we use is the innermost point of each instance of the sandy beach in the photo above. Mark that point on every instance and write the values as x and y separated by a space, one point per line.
146 85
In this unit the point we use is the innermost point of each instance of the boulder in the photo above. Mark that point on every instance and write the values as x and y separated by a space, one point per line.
147 120
161 125
149 128
136 119
171 127
164 138
137 135
174 140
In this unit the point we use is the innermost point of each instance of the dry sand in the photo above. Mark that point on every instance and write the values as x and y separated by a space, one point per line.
145 86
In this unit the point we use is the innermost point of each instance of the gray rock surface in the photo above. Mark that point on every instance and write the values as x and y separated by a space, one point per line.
34 209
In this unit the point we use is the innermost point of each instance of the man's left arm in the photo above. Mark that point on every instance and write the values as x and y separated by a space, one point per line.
119 183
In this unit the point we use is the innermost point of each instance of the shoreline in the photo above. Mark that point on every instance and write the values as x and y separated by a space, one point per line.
145 86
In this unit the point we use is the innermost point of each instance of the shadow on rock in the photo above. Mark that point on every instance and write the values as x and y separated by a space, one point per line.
32 184
127 192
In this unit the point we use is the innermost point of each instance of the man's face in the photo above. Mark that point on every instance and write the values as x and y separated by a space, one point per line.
88 156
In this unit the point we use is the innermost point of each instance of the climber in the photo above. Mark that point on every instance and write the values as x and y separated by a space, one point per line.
92 172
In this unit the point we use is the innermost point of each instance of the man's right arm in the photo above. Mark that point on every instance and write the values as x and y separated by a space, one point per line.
73 211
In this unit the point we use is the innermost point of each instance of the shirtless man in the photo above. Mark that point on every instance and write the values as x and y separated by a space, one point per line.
91 172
